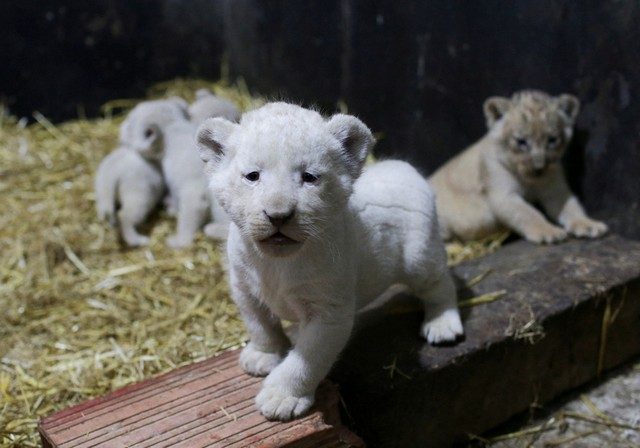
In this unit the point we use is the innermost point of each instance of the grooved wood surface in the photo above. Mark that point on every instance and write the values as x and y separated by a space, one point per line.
206 404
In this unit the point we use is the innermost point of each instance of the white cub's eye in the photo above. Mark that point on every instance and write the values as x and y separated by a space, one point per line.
308 178
252 176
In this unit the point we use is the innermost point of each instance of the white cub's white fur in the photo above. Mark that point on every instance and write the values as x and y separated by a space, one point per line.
207 105
313 241
134 183
163 126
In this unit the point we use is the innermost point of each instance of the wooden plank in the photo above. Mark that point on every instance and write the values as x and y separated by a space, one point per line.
543 337
210 403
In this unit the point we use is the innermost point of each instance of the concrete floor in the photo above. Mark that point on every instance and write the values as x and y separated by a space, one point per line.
606 414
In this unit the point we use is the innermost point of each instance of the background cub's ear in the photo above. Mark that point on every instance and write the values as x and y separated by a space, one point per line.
125 130
356 140
179 101
570 105
203 93
212 137
494 108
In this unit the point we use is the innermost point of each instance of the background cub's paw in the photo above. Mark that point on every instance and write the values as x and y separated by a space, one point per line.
137 241
547 234
258 363
275 403
444 328
216 231
586 228
178 241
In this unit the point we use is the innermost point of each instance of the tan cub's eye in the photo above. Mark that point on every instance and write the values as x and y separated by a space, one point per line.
252 176
308 178
552 140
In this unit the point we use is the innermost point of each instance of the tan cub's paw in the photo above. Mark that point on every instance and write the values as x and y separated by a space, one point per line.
275 403
258 363
547 234
586 228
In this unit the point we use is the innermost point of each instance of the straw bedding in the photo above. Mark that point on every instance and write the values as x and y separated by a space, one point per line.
80 314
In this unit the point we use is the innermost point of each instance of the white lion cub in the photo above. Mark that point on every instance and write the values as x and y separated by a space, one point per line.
313 241
130 178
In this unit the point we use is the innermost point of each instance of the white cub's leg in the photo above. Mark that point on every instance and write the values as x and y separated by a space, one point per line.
192 214
289 390
268 344
106 182
171 204
441 317
135 206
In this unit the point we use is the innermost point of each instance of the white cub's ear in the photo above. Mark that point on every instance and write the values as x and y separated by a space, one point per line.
125 130
570 105
356 140
179 101
494 108
203 93
212 137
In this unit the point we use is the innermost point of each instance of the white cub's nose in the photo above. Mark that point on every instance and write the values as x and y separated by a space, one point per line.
279 218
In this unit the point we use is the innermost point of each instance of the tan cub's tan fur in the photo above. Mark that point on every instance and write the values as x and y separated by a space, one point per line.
491 185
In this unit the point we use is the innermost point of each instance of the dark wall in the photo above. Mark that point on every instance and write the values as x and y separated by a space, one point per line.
64 57
416 71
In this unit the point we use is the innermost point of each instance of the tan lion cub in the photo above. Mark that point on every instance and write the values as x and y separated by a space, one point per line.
490 186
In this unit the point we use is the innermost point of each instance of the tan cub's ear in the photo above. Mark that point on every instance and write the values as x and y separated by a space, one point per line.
570 105
494 108
212 137
356 140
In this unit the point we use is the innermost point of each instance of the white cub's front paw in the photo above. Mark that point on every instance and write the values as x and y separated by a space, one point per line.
444 328
277 403
258 363
586 228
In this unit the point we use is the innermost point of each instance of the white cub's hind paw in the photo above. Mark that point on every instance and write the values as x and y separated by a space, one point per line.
444 328
258 363
276 403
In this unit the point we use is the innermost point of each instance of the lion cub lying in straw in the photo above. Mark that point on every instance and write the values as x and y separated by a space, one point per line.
312 241
489 186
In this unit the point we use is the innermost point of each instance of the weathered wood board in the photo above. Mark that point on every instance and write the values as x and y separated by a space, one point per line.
209 403
569 312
